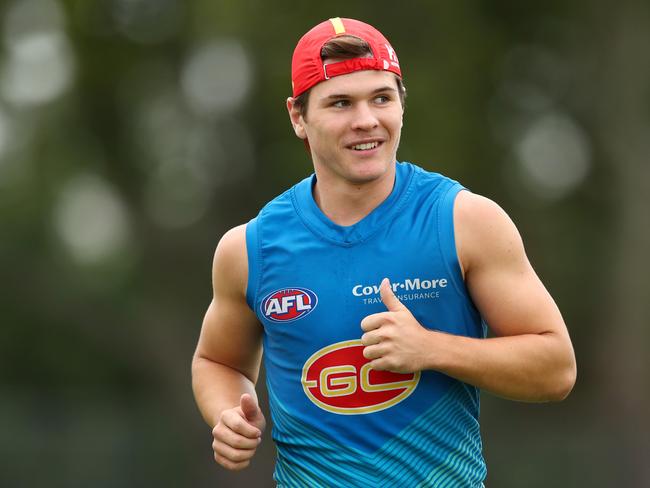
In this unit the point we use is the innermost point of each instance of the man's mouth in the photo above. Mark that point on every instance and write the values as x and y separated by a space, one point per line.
365 146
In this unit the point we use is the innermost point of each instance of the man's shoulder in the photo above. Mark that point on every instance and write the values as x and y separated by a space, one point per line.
430 186
483 228
232 244
428 176
230 259
477 210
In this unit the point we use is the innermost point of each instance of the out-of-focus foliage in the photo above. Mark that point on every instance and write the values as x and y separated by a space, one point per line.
133 133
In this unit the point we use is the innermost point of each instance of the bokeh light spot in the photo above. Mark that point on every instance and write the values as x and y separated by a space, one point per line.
554 154
38 70
91 219
216 77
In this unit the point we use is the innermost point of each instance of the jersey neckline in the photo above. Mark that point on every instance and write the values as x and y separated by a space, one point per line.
314 218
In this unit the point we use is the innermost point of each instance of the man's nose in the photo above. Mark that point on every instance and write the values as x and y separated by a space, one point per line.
364 117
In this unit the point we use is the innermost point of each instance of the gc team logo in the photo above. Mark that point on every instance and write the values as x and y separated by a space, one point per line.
340 380
288 304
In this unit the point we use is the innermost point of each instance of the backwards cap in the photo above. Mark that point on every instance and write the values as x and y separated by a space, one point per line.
307 68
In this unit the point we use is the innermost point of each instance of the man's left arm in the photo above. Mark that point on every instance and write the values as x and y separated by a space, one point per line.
530 357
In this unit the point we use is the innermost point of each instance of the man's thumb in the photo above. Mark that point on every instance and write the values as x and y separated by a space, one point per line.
388 297
249 407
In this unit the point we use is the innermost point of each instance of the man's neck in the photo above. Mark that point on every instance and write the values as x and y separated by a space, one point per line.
346 203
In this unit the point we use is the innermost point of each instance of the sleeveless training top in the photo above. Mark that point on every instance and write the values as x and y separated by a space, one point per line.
336 422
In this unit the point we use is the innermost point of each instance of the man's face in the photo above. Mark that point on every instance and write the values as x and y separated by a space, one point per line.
353 125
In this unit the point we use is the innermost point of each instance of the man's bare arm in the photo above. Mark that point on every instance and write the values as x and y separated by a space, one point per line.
226 363
531 359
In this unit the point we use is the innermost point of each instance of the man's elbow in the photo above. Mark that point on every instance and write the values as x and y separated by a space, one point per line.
563 383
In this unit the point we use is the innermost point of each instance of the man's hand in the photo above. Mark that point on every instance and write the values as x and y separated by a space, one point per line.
238 433
394 340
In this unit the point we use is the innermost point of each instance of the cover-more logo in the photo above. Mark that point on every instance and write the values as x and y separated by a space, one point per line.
409 284
339 379
288 304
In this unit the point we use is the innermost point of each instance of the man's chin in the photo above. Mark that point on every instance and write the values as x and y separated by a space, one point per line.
364 176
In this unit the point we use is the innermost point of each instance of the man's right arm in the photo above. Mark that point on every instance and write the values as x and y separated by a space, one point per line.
226 363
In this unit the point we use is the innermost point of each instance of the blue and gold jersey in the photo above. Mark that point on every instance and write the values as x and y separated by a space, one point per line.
336 421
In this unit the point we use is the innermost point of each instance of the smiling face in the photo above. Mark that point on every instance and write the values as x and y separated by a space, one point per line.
353 127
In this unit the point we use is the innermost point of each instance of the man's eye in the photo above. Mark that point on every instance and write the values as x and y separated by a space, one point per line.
341 103
382 99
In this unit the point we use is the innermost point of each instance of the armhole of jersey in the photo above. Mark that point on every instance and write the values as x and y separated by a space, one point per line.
447 237
254 261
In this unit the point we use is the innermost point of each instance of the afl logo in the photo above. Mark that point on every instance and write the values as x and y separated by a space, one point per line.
288 304
340 380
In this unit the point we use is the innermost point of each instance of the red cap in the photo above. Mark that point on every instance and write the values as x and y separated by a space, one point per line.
307 68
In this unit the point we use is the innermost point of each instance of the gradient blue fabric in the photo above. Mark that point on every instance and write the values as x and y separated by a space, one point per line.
337 423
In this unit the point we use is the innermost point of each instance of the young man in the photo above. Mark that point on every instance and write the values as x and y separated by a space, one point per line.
369 286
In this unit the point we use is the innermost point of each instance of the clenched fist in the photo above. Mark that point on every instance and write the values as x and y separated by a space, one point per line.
238 433
394 340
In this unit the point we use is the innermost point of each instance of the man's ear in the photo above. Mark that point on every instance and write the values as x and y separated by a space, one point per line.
296 118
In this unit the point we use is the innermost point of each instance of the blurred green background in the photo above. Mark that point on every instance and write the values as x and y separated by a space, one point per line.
134 133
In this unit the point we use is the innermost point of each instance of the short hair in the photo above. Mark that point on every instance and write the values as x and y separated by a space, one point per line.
345 47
